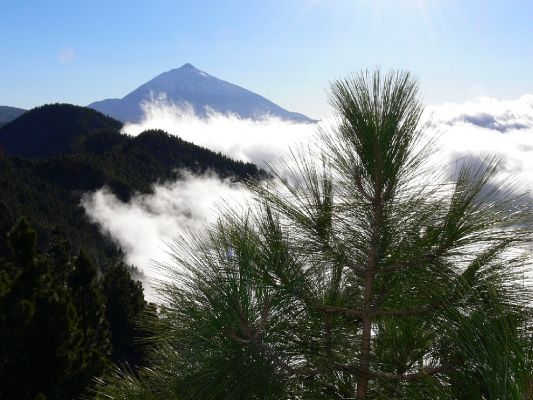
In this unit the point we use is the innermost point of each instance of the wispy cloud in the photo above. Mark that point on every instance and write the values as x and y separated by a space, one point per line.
66 55
144 226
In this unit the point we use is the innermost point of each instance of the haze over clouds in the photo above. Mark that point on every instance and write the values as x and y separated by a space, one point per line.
143 226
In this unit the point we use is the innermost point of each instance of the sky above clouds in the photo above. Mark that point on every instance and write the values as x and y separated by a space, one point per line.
80 51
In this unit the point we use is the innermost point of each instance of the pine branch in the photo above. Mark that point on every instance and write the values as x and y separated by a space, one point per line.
347 312
414 376
422 373
415 311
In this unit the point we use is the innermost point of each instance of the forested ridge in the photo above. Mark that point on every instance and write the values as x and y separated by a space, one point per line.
69 307
86 151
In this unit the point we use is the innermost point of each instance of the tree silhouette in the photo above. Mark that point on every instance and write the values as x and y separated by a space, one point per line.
360 273
124 306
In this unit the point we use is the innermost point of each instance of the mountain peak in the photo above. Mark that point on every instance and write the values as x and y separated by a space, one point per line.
202 91
188 66
185 70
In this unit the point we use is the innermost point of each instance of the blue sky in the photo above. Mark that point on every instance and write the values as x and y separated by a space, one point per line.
79 51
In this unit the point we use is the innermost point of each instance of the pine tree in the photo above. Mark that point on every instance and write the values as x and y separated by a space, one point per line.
88 299
357 274
125 305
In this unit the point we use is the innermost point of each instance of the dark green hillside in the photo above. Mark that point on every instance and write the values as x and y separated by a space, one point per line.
54 129
42 191
48 190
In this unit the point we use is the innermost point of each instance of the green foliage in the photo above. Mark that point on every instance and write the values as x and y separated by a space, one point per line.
40 334
86 292
360 273
125 305
54 326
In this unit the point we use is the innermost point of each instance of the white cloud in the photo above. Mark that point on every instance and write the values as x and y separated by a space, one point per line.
489 113
66 55
148 223
254 141
488 126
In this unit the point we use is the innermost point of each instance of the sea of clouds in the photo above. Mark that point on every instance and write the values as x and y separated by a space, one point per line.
149 222
257 141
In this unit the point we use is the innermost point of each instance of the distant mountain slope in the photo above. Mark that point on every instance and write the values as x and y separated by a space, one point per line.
8 114
199 89
54 129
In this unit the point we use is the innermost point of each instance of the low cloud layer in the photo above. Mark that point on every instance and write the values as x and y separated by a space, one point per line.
487 113
147 222
254 141
488 126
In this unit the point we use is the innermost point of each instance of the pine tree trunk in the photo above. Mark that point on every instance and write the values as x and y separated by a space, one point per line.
363 374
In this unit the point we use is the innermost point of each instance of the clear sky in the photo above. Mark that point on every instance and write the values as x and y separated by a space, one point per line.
79 51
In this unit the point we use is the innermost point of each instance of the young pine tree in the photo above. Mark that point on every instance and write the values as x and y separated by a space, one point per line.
357 276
